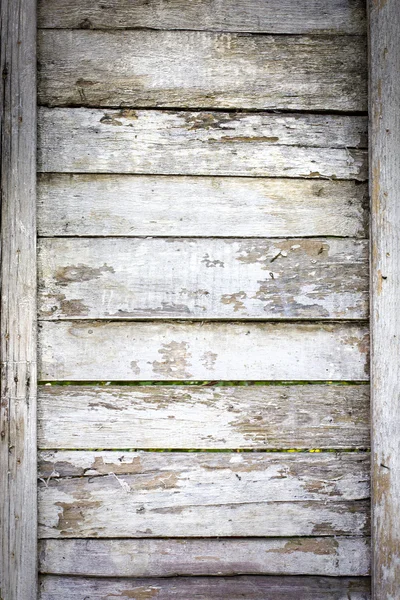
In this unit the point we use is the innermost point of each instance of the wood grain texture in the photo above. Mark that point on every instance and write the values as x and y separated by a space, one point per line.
165 558
126 205
203 278
202 143
270 16
385 288
142 351
204 588
300 416
188 494
18 300
202 70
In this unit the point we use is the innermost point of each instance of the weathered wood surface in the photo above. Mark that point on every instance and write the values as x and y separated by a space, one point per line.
18 300
204 588
300 416
202 143
203 278
385 288
189 69
338 556
98 351
184 494
261 16
126 205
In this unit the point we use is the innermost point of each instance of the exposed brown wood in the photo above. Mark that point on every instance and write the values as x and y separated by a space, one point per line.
188 494
202 70
203 278
204 588
18 300
173 351
385 287
126 205
338 556
257 16
202 143
300 416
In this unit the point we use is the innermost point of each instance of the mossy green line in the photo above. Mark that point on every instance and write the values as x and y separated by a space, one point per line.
220 451
198 383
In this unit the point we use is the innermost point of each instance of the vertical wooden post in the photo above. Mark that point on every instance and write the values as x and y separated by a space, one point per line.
18 510
385 288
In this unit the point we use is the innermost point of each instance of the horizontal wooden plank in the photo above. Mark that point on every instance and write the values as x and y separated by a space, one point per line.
165 558
203 278
300 416
204 588
202 70
98 351
202 143
184 494
126 205
258 16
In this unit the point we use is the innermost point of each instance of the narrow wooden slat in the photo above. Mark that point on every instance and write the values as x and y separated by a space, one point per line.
204 588
301 416
385 288
258 16
203 278
165 558
18 513
126 205
202 70
154 494
202 143
96 351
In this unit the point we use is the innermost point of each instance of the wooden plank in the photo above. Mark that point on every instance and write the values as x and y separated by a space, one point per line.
285 16
385 288
126 205
202 143
98 351
202 70
18 554
203 278
165 558
204 588
187 494
300 416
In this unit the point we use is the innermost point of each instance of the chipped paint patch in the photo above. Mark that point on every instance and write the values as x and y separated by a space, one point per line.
175 361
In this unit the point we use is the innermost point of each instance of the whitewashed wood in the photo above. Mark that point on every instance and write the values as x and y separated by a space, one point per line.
204 588
300 416
155 494
203 278
18 517
126 205
165 558
189 69
385 289
271 16
201 143
98 351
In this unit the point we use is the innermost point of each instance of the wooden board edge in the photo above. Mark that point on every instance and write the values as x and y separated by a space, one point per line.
168 557
253 587
18 505
384 58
